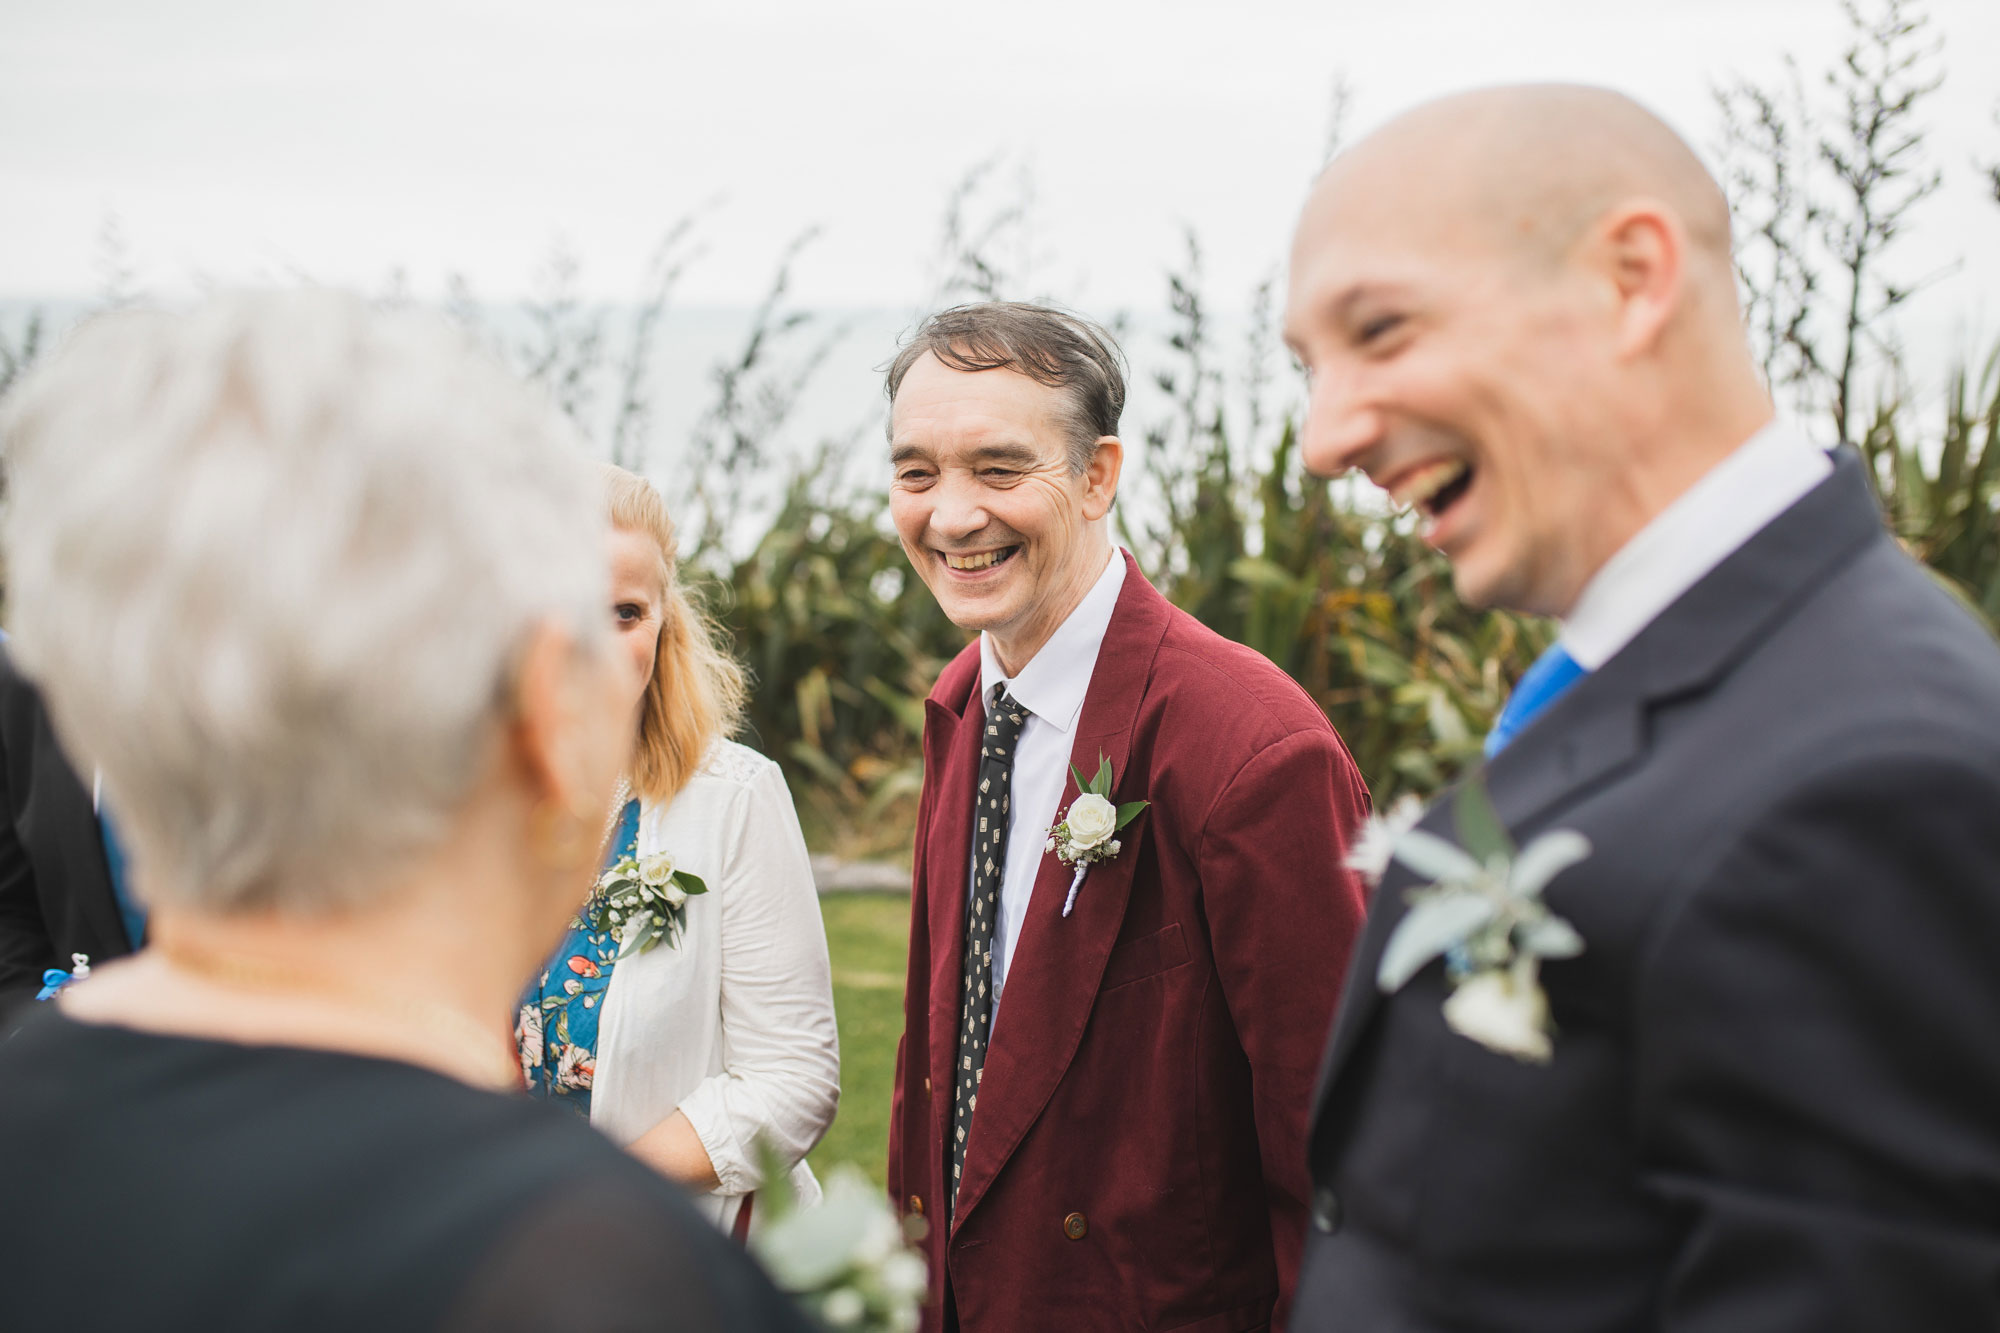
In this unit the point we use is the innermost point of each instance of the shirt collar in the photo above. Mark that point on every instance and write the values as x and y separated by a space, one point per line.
1762 478
1053 683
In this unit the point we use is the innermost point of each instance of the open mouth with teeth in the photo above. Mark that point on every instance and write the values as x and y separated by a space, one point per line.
979 560
1434 487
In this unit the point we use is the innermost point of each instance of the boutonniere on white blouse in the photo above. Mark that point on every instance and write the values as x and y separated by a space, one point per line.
1086 834
647 890
1482 910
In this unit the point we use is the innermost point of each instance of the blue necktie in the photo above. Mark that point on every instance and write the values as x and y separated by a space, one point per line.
1540 685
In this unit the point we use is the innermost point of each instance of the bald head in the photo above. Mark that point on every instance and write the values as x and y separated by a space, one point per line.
1538 164
1520 315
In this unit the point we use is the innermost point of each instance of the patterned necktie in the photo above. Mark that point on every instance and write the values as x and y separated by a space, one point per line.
1540 686
989 839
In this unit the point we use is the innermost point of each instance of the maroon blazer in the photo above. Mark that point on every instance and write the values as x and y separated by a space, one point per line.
1137 1160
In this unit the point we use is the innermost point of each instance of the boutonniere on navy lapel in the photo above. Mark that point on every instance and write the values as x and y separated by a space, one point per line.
1482 909
648 891
1085 834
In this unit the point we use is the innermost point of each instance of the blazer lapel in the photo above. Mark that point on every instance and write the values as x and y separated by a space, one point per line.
951 751
1058 961
1600 727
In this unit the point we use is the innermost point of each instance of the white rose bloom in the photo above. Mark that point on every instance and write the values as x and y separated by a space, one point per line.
675 895
904 1275
843 1307
1091 820
656 869
881 1237
1503 1011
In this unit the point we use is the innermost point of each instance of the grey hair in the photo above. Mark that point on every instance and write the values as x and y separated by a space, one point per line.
272 562
1049 345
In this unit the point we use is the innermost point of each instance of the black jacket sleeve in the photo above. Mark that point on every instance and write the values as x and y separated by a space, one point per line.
25 947
1820 1069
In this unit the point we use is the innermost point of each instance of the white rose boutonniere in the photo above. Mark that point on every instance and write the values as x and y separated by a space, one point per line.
1086 834
646 890
1091 821
1483 912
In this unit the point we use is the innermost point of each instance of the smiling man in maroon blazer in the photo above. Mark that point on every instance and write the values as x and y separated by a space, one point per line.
1102 1089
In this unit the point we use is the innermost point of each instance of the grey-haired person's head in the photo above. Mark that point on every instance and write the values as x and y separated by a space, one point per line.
273 562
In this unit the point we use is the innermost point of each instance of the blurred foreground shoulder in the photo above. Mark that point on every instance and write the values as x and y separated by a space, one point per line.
653 1266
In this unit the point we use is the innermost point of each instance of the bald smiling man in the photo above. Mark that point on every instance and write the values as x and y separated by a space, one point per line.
1766 1093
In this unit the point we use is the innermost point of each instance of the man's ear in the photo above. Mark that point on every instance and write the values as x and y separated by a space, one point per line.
1101 477
542 713
1640 253
567 744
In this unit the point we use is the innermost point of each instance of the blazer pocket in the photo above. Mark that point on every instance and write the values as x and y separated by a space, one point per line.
1147 956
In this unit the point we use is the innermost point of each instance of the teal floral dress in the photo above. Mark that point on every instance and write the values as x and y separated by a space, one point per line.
556 1030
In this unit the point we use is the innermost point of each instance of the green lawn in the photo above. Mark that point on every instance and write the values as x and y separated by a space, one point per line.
868 935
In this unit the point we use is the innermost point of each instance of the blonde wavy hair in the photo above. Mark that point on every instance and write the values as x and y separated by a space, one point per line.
696 695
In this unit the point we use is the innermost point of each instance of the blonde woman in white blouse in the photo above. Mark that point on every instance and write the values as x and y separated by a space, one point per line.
693 1051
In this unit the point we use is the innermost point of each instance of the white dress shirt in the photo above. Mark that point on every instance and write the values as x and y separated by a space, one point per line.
1765 476
733 1026
1051 687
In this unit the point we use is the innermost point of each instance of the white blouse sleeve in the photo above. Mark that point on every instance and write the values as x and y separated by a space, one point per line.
780 1049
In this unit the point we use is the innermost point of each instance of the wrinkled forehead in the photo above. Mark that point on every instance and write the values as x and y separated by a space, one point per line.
940 412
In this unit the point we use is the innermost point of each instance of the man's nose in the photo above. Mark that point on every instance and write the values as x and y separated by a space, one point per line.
1341 425
958 507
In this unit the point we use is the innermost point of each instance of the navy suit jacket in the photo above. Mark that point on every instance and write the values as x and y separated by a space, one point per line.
1774 1101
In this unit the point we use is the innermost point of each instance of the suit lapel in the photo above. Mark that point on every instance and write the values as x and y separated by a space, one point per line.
1599 729
1058 961
951 750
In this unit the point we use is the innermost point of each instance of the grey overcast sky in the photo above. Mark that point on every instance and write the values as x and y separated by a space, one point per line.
247 139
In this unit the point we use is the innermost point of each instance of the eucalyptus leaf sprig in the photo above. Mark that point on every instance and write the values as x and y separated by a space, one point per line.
1482 910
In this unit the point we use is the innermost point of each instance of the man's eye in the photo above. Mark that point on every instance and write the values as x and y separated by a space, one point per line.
913 477
1379 326
998 473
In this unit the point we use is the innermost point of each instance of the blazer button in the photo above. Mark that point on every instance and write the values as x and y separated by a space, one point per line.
1075 1226
916 1205
1326 1211
927 1087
